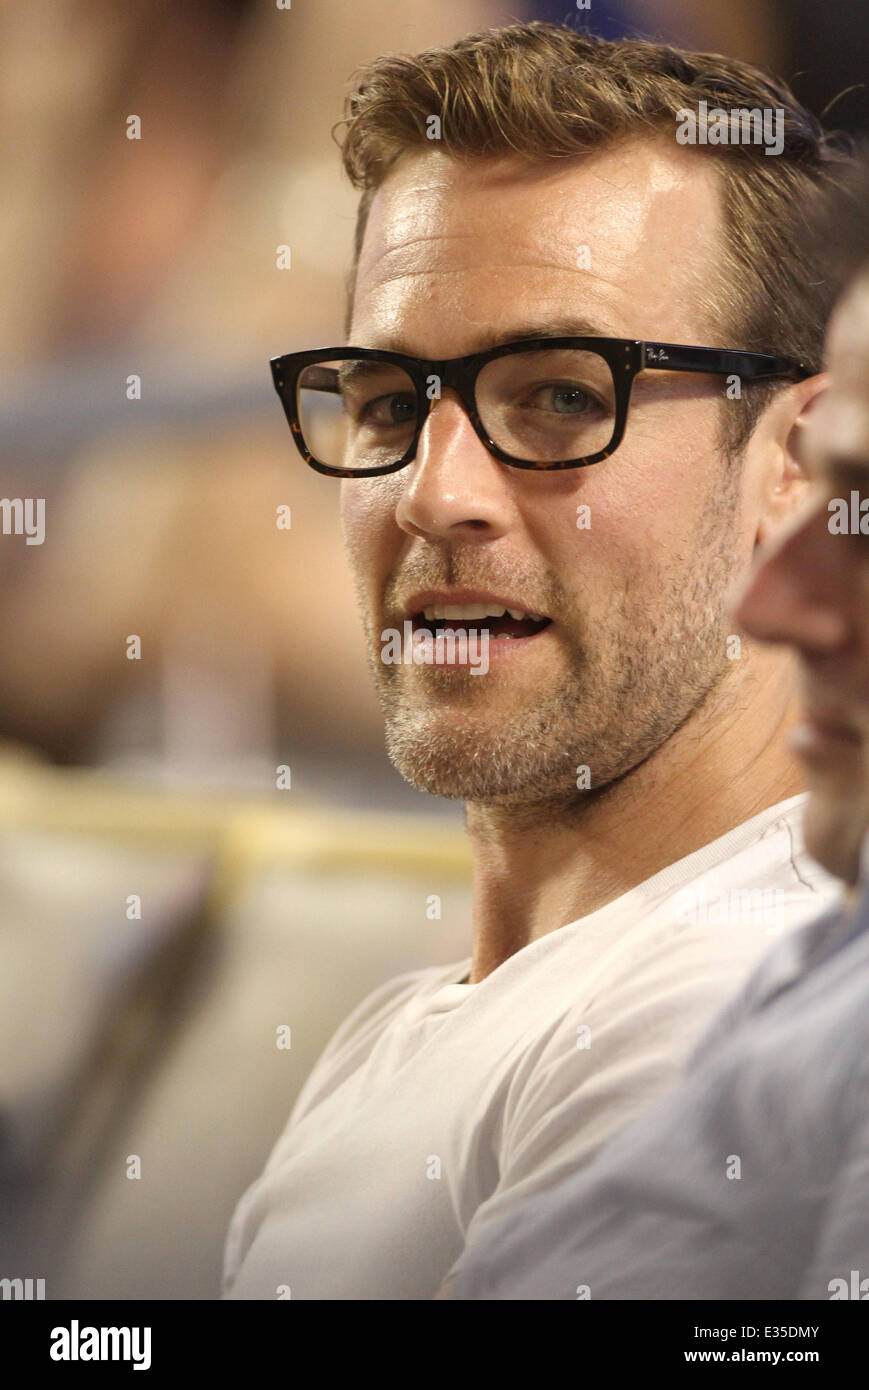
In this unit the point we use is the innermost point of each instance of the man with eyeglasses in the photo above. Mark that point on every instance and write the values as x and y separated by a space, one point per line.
580 355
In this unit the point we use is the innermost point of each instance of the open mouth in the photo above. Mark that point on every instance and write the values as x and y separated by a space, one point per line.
506 624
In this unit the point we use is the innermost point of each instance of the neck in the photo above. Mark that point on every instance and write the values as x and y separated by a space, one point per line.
536 869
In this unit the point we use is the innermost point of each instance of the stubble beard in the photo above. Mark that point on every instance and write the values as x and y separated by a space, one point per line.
631 680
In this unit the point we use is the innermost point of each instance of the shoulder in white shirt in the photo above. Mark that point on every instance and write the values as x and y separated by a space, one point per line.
437 1104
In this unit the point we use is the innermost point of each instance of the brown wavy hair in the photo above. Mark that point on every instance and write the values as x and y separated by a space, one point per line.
549 92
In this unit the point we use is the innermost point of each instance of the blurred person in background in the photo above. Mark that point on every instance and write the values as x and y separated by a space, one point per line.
751 1180
625 767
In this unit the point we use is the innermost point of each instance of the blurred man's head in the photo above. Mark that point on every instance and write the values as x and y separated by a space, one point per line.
555 191
812 591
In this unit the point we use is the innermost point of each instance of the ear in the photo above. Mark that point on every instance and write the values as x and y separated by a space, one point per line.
783 480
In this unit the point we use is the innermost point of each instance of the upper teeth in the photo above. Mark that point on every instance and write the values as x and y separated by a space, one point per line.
475 610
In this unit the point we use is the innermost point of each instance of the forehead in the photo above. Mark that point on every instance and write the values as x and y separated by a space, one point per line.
625 236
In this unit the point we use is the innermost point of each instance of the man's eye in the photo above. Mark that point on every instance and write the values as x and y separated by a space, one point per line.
562 398
396 409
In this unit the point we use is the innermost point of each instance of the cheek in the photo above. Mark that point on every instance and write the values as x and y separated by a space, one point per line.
643 514
639 517
677 493
368 526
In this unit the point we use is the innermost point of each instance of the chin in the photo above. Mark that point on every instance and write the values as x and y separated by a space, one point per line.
495 763
833 828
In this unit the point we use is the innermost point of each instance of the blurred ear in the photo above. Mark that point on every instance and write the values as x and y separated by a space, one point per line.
784 481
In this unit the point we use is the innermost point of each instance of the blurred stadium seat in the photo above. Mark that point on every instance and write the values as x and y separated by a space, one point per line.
157 1037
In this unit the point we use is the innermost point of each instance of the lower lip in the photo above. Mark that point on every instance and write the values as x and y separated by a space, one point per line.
508 648
502 648
811 740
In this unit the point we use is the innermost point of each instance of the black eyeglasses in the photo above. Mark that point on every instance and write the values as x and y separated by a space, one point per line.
542 403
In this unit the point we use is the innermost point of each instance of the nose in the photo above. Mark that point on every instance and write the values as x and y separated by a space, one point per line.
801 588
455 489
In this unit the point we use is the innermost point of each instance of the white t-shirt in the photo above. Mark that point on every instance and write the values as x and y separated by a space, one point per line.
436 1101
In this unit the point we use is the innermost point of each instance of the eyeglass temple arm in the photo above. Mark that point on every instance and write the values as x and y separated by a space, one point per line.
673 357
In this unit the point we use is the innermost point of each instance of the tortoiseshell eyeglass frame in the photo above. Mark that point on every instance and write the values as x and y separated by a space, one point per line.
626 357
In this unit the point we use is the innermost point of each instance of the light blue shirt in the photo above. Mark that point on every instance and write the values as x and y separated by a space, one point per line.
750 1180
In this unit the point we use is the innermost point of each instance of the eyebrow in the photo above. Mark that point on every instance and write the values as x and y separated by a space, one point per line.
358 371
570 327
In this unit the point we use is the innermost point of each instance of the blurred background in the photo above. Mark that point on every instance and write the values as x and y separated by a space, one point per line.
164 906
